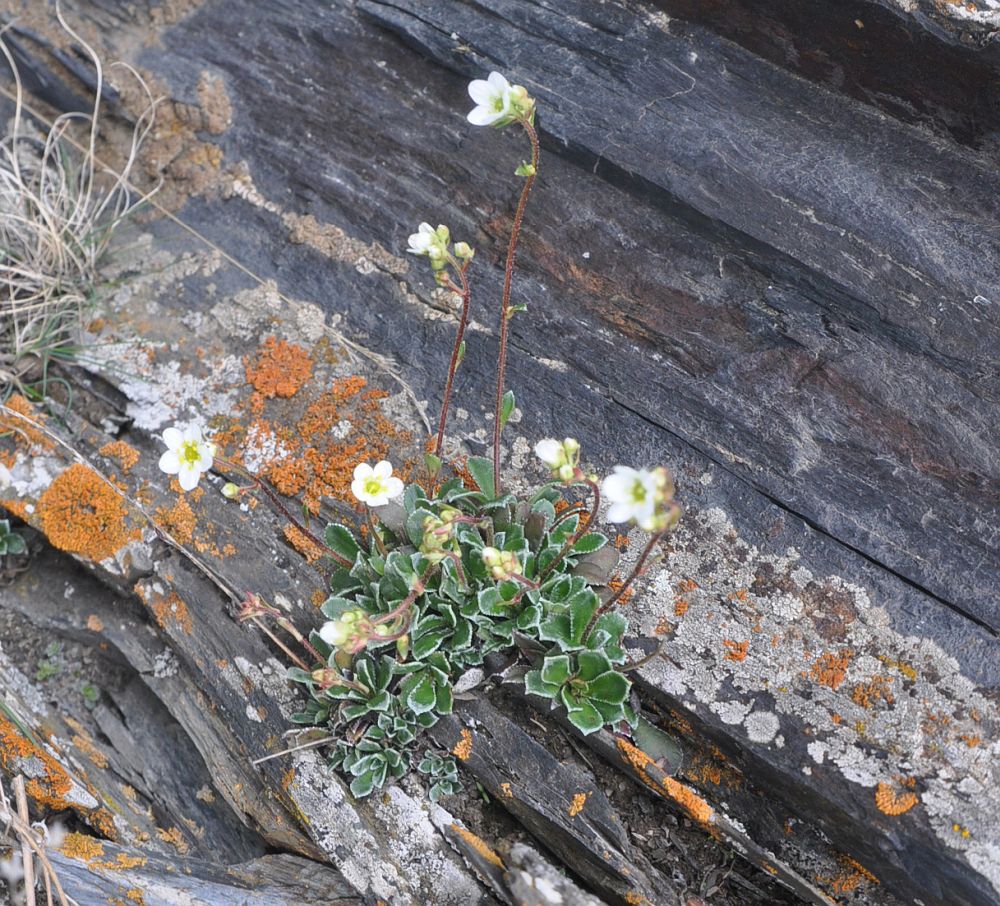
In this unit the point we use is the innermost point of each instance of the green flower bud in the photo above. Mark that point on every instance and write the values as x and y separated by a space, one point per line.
230 491
464 251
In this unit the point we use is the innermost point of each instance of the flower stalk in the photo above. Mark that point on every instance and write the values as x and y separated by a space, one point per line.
505 312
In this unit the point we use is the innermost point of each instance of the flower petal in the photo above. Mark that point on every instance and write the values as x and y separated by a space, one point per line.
358 489
481 92
362 470
382 469
617 487
169 461
173 438
483 116
619 512
378 500
393 487
193 432
188 479
327 632
498 83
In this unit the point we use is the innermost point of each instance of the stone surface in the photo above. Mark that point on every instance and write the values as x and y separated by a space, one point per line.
778 280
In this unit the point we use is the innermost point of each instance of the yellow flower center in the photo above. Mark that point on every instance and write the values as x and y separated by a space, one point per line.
189 452
373 486
638 492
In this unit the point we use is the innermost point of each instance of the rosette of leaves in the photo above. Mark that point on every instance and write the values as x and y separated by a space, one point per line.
10 541
442 771
456 612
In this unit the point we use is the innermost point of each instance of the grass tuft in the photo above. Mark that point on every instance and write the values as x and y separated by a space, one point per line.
59 206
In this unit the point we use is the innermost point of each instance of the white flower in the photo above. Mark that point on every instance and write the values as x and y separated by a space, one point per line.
562 457
375 486
634 495
422 241
493 100
188 455
550 452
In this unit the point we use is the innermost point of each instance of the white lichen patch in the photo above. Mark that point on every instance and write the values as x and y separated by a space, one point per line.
762 638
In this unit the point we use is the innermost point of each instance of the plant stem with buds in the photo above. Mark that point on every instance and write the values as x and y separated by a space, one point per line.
463 321
515 232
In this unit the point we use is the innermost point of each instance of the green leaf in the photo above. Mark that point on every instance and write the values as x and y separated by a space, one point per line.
506 408
587 719
592 664
534 684
15 544
611 688
557 669
461 353
481 470
658 745
590 543
334 607
422 696
433 463
340 540
363 785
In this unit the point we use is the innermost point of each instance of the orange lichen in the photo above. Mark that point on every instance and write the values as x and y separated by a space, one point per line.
576 806
171 607
890 802
18 508
686 586
81 514
737 650
21 428
479 845
179 520
507 790
664 627
287 778
909 672
174 838
681 606
742 595
636 898
463 748
94 623
616 584
82 847
126 455
303 544
15 750
135 895
869 694
279 369
850 877
318 597
830 669
695 807
971 740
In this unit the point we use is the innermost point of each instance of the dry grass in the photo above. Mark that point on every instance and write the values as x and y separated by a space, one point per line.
59 207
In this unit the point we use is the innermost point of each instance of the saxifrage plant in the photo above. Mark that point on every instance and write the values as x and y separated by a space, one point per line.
457 573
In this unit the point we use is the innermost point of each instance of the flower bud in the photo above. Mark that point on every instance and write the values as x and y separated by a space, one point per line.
230 491
403 646
464 251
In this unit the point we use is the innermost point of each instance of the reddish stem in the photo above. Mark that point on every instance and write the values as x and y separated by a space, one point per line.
515 231
637 571
579 533
283 510
453 365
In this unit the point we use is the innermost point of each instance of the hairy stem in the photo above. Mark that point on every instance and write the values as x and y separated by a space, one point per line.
515 232
637 571
283 510
456 351
579 533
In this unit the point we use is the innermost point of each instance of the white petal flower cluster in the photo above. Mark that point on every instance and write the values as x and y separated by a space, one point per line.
188 455
561 457
498 103
375 485
642 496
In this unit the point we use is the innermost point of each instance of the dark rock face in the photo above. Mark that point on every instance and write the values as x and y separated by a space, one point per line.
765 250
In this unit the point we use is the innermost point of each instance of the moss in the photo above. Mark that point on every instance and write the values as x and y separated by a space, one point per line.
81 514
